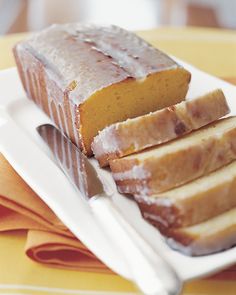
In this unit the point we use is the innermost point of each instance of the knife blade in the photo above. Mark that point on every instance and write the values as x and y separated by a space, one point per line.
73 163
153 276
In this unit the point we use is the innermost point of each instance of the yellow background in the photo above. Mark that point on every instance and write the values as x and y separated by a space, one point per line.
213 51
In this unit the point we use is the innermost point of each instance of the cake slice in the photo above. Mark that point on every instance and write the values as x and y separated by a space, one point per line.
134 135
213 235
86 77
173 164
195 202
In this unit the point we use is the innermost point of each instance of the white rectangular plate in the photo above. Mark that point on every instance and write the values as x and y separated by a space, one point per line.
28 117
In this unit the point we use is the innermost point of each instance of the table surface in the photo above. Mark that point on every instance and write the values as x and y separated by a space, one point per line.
211 50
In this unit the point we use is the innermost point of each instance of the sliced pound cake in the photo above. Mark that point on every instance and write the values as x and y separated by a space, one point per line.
86 77
134 135
194 202
213 235
170 165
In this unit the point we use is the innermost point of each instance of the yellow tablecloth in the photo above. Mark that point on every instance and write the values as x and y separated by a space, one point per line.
213 51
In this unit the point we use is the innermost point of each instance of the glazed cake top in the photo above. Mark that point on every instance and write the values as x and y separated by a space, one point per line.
89 57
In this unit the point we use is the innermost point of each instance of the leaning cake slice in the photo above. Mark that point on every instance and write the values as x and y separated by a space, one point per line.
173 164
194 202
133 135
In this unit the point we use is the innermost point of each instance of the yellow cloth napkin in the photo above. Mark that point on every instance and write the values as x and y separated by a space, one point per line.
48 240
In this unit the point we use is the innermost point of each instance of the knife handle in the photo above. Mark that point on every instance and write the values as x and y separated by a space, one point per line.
154 276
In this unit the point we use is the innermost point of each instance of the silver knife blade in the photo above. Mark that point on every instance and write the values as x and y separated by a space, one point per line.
73 162
152 274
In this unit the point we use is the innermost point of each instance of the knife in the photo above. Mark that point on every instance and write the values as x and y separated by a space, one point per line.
154 275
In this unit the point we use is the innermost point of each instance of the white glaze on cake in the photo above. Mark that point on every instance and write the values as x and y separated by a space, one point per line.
107 50
134 135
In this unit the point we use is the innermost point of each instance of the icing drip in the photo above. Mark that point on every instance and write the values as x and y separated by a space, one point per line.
108 140
187 250
157 218
136 172
149 200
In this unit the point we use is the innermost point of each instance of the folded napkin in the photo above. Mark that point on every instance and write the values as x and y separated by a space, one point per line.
48 240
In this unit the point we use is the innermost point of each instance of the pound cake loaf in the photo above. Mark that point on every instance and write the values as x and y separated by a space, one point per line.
214 235
173 164
134 135
193 203
86 77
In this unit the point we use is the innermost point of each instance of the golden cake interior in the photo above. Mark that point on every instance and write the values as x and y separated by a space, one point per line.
129 99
